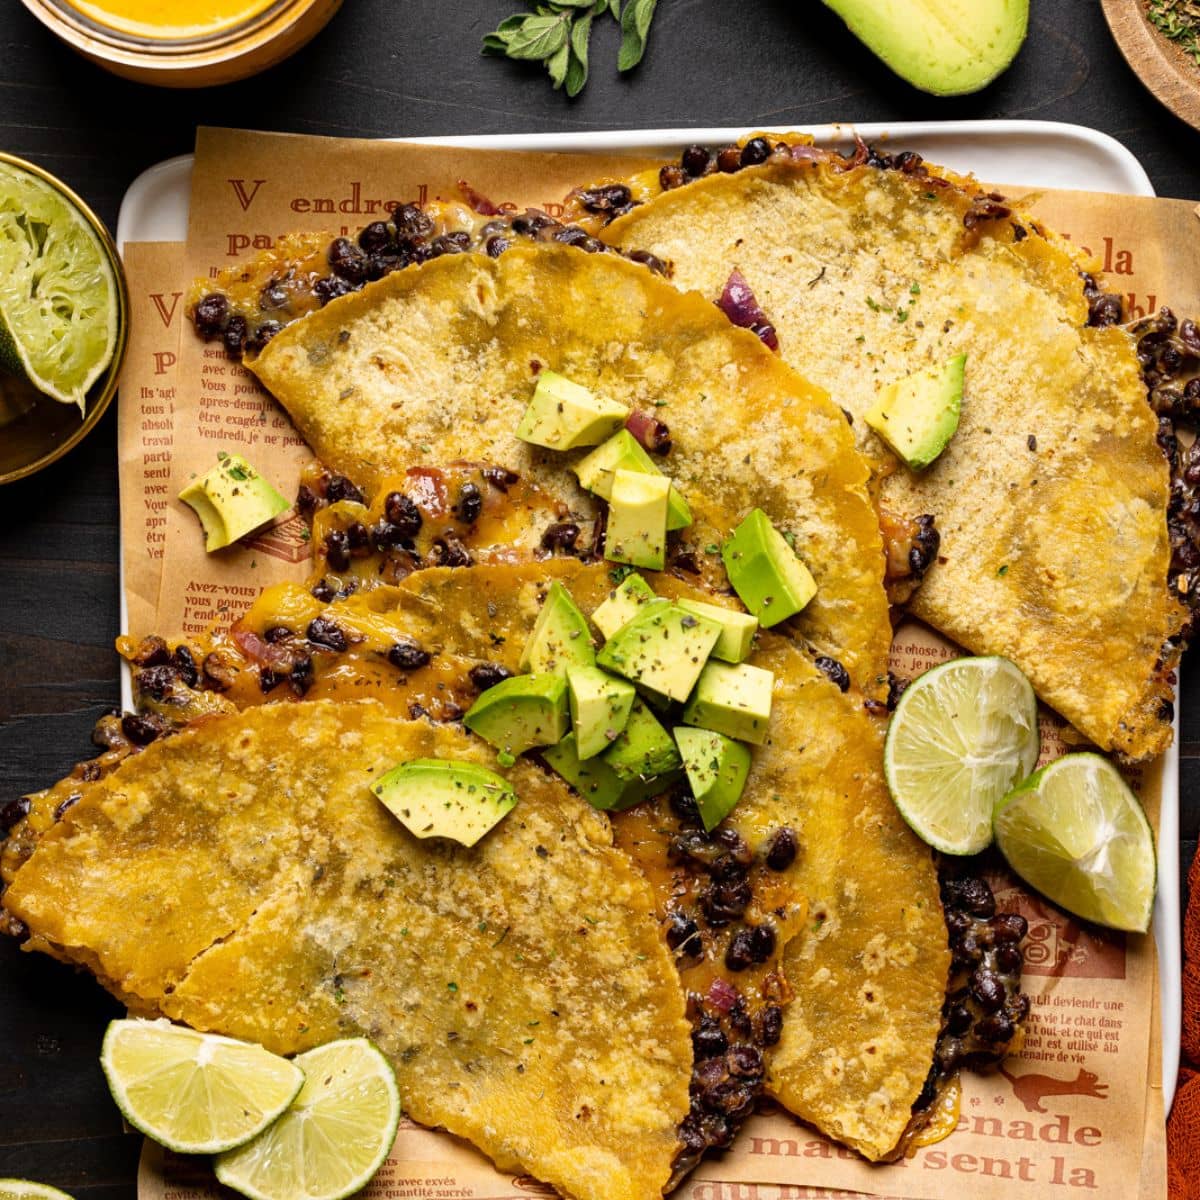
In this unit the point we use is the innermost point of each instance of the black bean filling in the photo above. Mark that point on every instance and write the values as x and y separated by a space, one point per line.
448 551
728 1039
470 504
1169 354
984 1005
926 542
833 670
326 634
143 728
560 537
14 811
487 675
408 656
404 240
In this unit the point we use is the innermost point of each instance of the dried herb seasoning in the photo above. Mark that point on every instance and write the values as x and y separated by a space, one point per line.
1179 21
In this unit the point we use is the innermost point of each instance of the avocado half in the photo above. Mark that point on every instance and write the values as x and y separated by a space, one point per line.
947 47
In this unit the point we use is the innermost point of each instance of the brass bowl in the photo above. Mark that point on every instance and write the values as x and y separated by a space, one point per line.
202 60
35 430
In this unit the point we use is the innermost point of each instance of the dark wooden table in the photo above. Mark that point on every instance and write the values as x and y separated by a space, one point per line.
394 67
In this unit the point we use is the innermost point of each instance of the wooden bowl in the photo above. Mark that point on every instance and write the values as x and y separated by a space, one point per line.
1170 74
201 61
35 430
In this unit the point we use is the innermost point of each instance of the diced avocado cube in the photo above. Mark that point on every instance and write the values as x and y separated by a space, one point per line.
643 748
716 768
433 797
600 705
232 500
917 416
623 452
521 712
737 629
597 782
735 701
663 648
564 415
765 572
637 520
623 604
560 637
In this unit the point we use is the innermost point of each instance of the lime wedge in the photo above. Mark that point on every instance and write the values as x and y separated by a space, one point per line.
959 739
24 1189
196 1093
58 294
1077 833
334 1137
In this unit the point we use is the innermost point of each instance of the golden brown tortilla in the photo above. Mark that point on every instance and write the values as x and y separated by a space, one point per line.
1051 499
869 969
436 363
241 877
870 973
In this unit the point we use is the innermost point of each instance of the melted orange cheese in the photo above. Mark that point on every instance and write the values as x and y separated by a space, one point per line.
943 1119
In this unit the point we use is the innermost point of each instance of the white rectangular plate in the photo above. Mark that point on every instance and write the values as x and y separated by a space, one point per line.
1035 154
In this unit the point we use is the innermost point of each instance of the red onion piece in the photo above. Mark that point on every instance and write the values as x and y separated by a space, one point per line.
263 653
652 433
722 995
740 305
861 153
807 152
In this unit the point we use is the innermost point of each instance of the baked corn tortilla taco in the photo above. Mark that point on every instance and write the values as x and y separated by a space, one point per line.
241 876
1051 499
436 364
813 833
814 851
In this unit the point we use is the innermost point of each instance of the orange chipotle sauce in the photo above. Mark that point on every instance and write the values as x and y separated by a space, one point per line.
170 19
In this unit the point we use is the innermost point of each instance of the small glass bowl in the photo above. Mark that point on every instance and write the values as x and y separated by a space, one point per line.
35 430
223 56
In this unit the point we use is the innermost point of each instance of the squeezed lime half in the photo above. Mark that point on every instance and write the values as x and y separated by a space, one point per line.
1077 833
26 1189
58 292
333 1139
961 736
195 1093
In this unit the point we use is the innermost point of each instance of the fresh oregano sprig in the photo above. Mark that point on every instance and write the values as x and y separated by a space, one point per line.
557 33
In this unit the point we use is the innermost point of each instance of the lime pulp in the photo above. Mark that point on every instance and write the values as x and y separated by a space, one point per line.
962 734
334 1137
195 1093
58 292
1076 832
